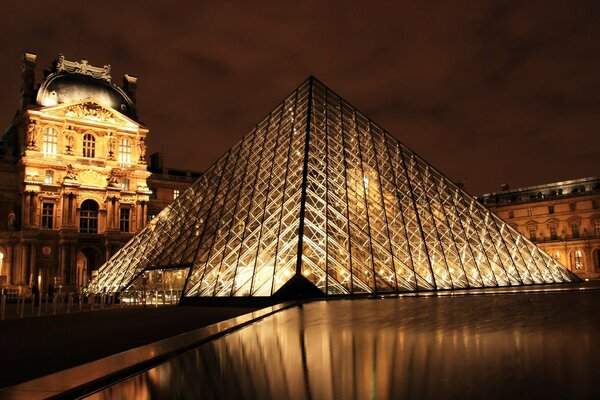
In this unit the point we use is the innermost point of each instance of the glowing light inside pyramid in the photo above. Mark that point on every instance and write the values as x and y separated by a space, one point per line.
317 190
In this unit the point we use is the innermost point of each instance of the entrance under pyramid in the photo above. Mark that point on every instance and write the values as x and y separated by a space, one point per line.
318 199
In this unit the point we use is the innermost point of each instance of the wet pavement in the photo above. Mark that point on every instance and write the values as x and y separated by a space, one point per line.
494 346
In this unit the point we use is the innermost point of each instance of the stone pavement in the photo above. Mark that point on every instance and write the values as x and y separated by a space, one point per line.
36 346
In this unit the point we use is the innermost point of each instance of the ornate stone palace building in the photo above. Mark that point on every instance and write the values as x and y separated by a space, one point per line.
563 218
73 175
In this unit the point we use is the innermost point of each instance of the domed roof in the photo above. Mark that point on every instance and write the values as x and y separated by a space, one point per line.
73 81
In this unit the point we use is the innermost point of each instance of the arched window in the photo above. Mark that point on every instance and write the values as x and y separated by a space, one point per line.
88 217
597 251
49 142
124 151
89 145
576 259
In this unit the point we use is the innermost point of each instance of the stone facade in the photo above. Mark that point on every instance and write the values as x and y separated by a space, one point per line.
563 218
73 176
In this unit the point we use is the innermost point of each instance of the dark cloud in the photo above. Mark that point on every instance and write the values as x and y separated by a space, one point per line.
489 91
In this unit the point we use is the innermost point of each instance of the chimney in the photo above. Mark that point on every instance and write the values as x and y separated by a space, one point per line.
27 81
156 162
130 86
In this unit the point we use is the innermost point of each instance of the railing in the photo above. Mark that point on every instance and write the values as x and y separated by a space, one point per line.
17 305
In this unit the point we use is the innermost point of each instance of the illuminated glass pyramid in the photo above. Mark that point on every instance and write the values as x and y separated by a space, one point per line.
318 197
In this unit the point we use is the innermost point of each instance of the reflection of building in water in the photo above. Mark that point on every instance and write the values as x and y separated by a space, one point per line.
319 199
563 218
72 175
392 348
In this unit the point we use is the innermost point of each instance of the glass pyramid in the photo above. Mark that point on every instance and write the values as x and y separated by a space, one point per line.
317 192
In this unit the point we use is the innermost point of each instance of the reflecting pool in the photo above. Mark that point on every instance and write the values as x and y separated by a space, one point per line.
487 346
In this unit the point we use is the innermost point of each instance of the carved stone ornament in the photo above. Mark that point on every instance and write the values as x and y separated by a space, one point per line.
70 175
70 141
113 180
91 178
90 111
111 147
142 148
32 131
83 68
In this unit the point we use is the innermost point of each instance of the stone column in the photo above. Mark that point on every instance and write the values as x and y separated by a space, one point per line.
32 262
9 263
26 211
34 206
65 209
109 213
72 262
144 214
73 203
117 212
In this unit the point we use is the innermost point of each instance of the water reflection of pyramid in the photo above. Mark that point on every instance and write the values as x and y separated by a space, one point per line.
316 192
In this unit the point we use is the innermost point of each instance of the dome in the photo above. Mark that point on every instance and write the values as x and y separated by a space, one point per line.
73 85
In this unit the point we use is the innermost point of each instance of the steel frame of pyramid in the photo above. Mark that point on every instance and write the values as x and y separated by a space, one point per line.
317 191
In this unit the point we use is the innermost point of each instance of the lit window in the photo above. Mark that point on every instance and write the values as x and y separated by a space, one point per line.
49 142
576 259
125 184
550 209
89 145
49 177
88 217
124 151
47 215
530 212
175 194
557 255
124 220
597 227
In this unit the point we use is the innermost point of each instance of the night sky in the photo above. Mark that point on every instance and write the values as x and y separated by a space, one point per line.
489 92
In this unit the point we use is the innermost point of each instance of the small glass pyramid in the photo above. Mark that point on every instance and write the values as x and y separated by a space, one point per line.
318 192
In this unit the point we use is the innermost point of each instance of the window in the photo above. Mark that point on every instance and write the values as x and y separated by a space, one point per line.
575 229
511 214
597 227
49 177
89 145
556 255
175 193
152 193
47 215
124 220
88 217
595 203
553 232
125 184
576 260
49 141
151 217
572 206
550 209
530 212
124 151
532 233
